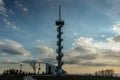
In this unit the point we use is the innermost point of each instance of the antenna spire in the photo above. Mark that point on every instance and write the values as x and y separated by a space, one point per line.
59 12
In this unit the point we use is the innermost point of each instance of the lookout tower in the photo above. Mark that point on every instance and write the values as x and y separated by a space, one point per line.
59 23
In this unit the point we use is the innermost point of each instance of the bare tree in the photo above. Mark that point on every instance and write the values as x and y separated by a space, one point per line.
107 72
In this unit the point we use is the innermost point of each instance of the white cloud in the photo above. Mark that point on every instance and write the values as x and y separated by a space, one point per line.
25 9
83 49
75 34
85 44
40 41
86 52
18 4
116 28
10 25
3 10
11 11
102 36
46 51
21 6
116 37
10 47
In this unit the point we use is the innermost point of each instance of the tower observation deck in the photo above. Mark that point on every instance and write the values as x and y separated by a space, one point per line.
59 23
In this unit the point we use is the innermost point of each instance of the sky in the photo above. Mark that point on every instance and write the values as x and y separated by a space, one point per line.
91 34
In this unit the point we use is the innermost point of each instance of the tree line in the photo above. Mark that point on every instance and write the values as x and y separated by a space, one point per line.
16 72
106 72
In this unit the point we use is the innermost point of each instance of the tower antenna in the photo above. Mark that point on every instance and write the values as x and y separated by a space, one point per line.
59 11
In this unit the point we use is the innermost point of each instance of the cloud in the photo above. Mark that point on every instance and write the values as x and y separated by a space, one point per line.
116 28
102 36
21 6
87 52
110 54
11 11
45 60
31 61
40 41
89 63
9 61
116 37
82 50
46 51
75 34
10 47
6 11
84 44
3 10
10 25
25 9
49 60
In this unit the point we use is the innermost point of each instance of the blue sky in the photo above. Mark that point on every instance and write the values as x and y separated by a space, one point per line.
91 33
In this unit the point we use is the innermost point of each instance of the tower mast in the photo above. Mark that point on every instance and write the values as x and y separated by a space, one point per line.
59 24
59 12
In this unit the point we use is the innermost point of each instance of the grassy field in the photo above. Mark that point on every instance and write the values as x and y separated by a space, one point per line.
68 77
